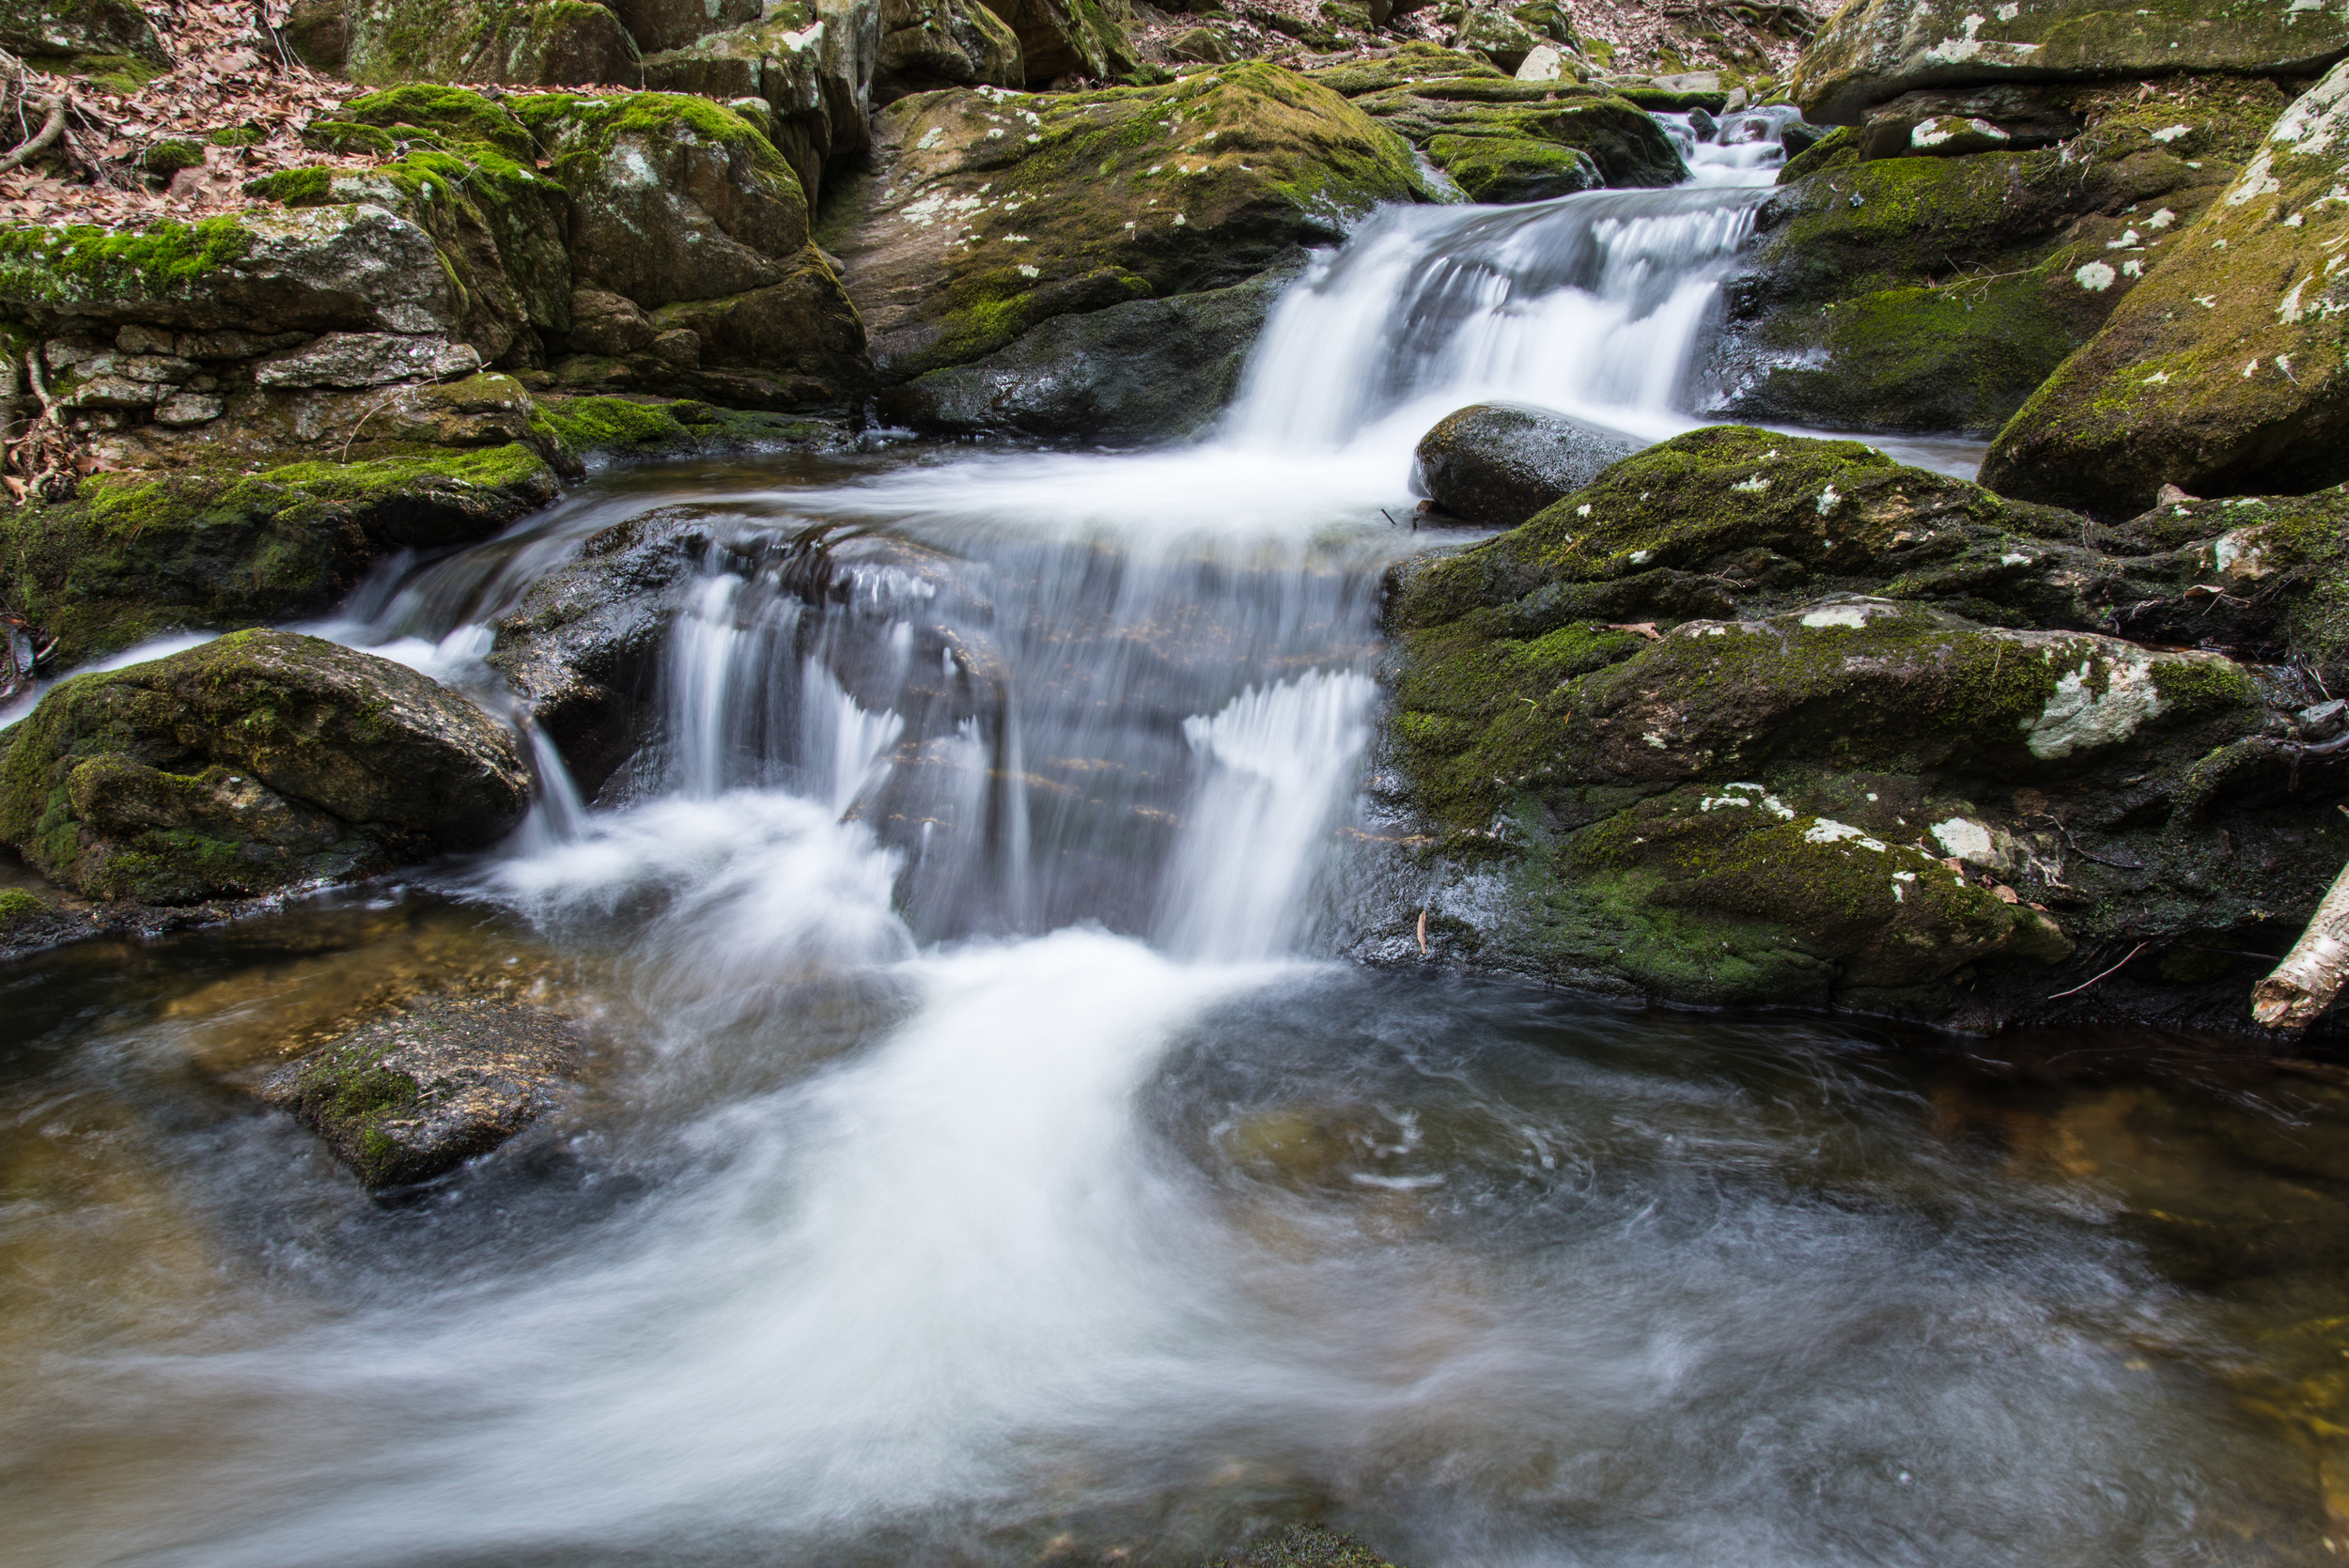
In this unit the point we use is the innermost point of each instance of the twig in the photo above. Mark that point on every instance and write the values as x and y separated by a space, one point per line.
1423 930
2115 969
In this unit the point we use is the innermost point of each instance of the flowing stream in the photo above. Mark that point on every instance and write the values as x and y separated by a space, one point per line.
983 1161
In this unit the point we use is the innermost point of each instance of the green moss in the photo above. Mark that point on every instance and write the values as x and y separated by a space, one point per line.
238 135
294 187
61 266
123 74
2206 685
170 155
18 907
452 113
331 135
627 427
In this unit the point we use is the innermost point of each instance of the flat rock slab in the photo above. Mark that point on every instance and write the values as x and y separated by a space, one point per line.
405 1097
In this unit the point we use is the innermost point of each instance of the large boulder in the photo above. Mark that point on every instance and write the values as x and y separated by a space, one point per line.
1070 38
927 44
1146 370
658 25
137 554
549 43
992 213
1905 288
2223 371
1760 719
410 1096
261 761
1498 463
1873 49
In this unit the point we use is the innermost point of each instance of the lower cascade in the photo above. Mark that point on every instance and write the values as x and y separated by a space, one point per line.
1436 960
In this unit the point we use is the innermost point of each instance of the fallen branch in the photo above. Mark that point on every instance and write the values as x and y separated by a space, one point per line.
2305 984
51 128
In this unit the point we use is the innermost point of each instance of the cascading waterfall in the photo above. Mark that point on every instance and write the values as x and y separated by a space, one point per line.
989 1173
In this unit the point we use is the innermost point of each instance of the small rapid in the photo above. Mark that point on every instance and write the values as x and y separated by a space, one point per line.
984 1160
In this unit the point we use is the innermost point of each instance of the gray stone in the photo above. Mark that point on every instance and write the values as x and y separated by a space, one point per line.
1498 463
185 408
367 359
1144 370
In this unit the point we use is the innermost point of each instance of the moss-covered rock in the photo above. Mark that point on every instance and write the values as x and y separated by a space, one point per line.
1394 68
1875 49
1146 370
137 554
814 63
1502 170
60 29
1937 292
411 1095
2224 371
927 44
549 43
658 25
1070 38
260 761
1478 123
1708 729
993 212
673 198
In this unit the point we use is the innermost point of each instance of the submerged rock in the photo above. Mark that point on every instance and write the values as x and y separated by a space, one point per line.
1761 719
260 761
2223 371
1498 463
406 1098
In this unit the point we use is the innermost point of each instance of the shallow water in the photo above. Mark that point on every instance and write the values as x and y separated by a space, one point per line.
978 1158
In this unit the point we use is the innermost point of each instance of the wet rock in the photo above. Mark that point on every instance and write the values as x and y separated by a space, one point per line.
1936 293
1143 371
407 1098
927 44
132 555
1498 463
582 651
1952 122
1759 719
1880 49
991 214
2223 371
260 761
552 43
1497 35
1068 38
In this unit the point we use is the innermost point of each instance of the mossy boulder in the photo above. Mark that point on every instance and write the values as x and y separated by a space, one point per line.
1499 463
992 213
1936 293
358 267
1475 129
550 44
58 30
1070 38
1413 61
407 1097
260 761
1873 49
929 45
672 197
1733 724
2224 371
1146 370
658 25
133 555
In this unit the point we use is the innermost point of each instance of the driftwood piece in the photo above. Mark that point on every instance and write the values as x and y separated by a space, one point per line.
2311 974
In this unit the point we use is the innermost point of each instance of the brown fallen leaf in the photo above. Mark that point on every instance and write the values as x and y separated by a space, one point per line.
1645 629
